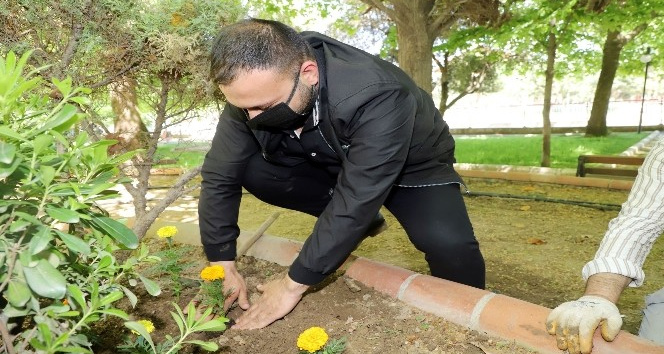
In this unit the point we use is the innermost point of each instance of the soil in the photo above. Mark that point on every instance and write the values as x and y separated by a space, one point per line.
535 239
368 321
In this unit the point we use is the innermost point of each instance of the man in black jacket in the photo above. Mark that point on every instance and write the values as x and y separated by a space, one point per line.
318 126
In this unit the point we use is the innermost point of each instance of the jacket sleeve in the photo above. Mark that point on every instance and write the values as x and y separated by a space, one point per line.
379 122
221 189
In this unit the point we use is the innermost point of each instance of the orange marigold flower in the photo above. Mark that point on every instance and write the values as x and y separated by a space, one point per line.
312 339
213 273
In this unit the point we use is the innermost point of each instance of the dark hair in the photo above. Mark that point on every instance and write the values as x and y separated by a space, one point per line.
256 44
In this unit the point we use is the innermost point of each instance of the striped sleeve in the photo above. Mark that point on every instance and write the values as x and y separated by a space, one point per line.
631 235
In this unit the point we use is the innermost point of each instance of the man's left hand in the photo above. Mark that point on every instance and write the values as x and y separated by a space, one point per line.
278 299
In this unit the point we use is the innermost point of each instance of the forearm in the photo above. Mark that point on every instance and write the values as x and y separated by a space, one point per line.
607 285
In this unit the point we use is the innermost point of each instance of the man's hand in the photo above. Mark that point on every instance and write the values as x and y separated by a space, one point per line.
234 285
574 322
279 298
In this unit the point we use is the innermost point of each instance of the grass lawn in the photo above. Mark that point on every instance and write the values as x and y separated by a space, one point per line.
517 150
526 150
187 154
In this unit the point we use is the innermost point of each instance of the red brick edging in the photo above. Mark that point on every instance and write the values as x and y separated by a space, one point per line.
480 310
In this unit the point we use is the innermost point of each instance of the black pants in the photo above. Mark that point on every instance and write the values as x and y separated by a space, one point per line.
434 218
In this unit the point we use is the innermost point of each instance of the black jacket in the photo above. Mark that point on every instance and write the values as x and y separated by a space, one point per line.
385 130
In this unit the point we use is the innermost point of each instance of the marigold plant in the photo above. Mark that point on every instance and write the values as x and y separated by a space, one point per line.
312 339
167 231
212 289
315 340
214 272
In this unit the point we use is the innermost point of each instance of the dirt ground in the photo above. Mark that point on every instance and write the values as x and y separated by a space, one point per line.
369 322
535 239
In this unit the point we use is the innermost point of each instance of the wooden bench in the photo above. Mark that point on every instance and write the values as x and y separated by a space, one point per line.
611 165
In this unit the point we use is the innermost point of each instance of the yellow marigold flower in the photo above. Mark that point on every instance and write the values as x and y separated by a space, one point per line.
167 231
213 273
149 326
312 339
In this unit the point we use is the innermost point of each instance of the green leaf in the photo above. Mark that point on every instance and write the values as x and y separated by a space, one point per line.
179 319
45 280
82 138
133 299
217 324
138 327
105 261
62 120
19 225
123 157
28 217
78 296
96 189
47 174
7 152
40 240
18 293
63 86
46 333
74 243
73 349
110 298
7 169
64 215
116 230
151 287
209 346
41 142
7 132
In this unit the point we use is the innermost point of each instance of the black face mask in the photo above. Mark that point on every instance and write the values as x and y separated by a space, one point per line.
281 116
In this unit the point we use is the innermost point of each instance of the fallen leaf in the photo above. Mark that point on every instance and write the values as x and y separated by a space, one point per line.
524 208
535 241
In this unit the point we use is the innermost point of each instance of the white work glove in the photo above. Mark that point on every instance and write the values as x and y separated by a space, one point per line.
574 323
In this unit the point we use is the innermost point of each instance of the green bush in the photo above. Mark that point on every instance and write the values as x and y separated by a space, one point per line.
57 268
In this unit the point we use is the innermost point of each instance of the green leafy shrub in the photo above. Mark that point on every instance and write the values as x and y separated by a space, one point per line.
58 272
58 267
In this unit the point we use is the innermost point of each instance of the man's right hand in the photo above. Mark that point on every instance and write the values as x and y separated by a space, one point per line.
234 285
574 323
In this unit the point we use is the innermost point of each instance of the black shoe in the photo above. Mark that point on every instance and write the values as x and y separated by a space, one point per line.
376 226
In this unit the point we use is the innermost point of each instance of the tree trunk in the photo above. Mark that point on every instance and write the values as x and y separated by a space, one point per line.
444 82
415 40
610 61
129 127
551 46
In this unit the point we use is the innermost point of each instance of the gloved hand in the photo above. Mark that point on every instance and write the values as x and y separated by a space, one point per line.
574 323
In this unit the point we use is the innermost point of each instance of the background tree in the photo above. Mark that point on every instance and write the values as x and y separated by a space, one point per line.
471 70
419 23
621 21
